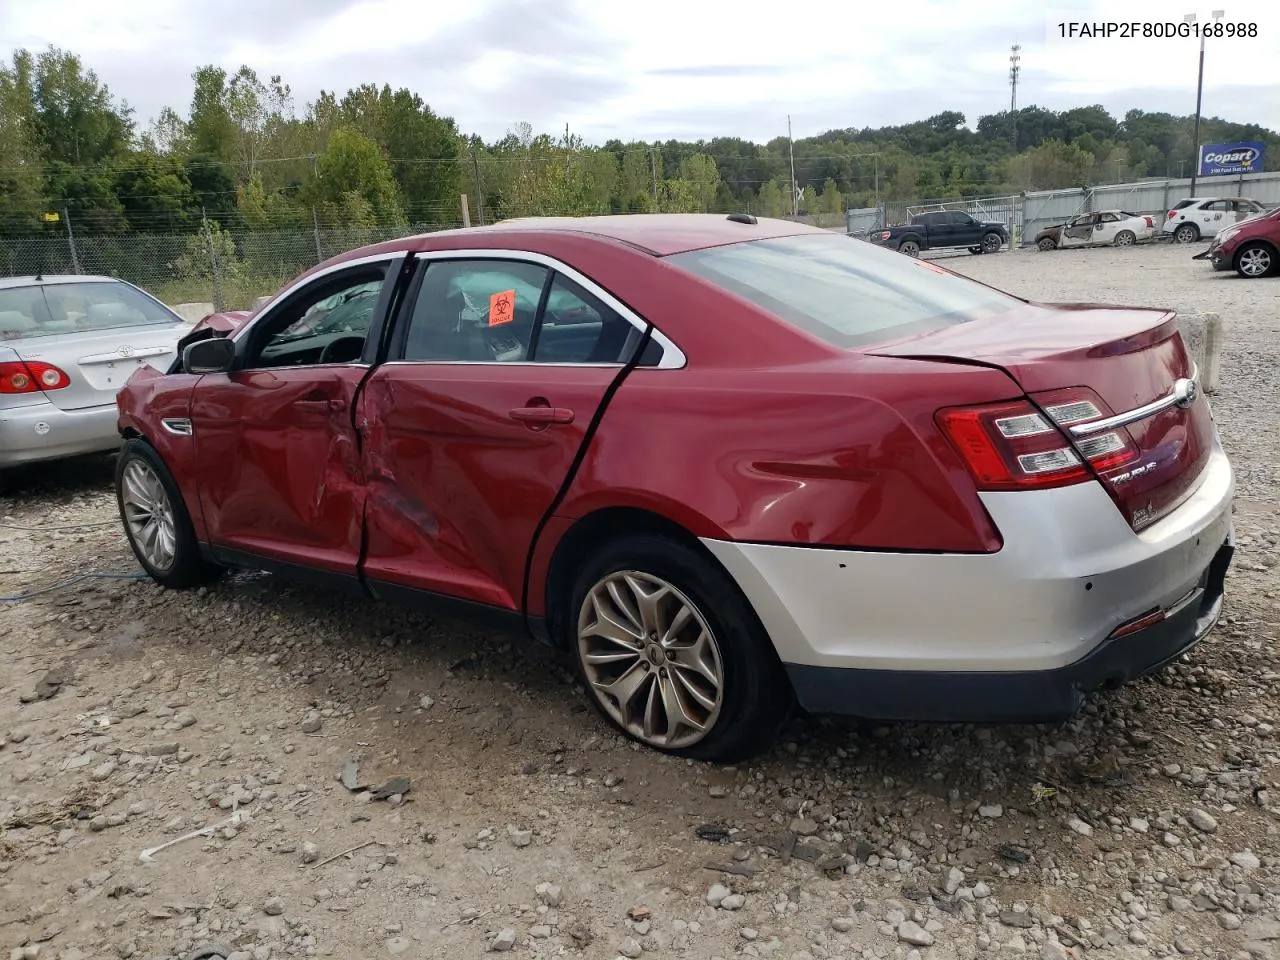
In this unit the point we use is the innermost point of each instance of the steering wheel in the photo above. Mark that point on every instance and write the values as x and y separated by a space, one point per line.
340 350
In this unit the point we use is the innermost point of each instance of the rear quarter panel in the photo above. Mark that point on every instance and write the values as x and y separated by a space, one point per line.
147 399
838 453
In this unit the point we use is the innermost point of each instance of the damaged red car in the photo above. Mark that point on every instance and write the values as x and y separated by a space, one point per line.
728 465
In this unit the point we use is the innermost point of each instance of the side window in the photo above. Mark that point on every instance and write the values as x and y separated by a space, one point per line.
578 327
326 322
962 220
1108 218
481 311
1217 206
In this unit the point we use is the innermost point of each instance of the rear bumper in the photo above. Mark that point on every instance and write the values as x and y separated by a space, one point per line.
39 432
1019 635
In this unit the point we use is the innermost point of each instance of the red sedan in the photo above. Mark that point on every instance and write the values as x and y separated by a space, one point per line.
728 465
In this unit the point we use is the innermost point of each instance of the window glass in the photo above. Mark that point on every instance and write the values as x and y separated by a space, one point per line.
843 290
577 327
1108 218
325 323
481 311
49 309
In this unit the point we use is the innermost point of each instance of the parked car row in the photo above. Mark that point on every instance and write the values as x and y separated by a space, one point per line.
1250 246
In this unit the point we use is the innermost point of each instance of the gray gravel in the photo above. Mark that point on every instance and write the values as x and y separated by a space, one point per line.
1146 828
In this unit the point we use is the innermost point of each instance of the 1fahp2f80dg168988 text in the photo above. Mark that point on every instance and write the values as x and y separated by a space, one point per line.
1135 29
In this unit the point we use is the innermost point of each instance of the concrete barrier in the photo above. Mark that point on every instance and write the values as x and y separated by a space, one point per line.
192 312
1202 333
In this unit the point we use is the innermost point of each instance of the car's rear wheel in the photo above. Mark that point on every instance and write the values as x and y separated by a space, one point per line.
1187 233
155 518
672 654
910 248
1255 260
1126 238
1046 244
991 243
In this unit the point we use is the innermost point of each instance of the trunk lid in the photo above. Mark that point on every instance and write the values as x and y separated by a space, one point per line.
98 363
1131 359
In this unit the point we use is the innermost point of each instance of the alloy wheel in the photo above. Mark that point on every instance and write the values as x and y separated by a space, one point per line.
651 659
910 248
148 514
991 244
1255 262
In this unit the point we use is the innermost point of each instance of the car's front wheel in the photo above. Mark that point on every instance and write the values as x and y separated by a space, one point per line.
1255 260
155 518
672 654
1046 245
991 243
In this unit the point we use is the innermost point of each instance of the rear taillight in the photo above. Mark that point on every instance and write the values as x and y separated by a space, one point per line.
1150 223
31 376
1172 214
1014 446
885 234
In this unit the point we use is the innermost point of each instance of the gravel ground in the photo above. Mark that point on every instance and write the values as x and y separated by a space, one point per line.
131 716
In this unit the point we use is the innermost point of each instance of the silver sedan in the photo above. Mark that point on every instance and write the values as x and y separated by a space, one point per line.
67 345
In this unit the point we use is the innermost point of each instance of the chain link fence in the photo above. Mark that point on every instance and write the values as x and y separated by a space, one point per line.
229 270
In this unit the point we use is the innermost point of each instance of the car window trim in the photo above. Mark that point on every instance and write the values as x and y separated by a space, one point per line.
673 357
243 338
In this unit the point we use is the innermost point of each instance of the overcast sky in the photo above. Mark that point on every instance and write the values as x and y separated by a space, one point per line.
686 69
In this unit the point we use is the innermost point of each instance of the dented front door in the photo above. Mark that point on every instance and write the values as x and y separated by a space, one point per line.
279 467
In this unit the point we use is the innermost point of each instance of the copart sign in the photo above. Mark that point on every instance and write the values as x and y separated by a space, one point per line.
1222 159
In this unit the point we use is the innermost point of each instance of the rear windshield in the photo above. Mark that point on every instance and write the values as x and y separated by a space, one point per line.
843 290
50 309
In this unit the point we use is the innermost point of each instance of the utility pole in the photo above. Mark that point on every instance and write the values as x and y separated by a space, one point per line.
1015 57
795 196
1195 137
475 166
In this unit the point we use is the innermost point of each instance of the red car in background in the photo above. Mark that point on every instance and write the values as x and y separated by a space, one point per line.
725 464
1251 247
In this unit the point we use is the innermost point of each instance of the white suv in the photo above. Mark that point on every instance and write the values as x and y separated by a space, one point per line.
1192 219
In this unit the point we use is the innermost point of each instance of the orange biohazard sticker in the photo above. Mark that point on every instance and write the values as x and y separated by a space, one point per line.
502 308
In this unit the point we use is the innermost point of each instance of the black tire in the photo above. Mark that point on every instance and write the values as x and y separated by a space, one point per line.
1186 233
188 568
1126 238
910 248
1254 260
756 698
992 242
1046 244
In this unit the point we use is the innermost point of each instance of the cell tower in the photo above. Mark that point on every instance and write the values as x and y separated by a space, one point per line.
1015 56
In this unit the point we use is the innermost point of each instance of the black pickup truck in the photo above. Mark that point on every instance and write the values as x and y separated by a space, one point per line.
947 228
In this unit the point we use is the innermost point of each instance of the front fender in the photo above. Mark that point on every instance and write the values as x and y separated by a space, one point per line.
149 400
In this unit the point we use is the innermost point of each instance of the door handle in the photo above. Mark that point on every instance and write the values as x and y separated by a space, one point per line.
321 406
542 416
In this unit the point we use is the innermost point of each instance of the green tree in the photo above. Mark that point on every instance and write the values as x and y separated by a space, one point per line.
78 120
699 171
351 167
154 193
831 200
21 172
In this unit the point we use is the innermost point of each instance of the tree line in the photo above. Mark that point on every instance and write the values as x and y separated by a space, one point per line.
244 156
